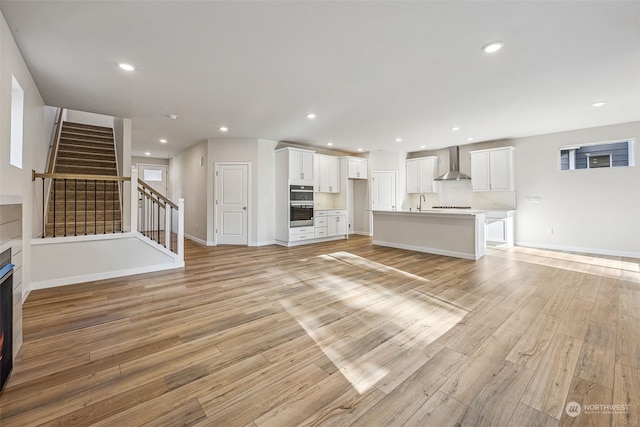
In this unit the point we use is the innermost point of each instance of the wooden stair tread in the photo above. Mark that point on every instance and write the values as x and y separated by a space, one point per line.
84 150
80 142
82 154
86 126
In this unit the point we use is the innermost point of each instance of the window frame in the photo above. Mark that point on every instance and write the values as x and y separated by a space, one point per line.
631 142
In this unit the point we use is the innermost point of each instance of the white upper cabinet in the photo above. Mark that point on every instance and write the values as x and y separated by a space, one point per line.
420 174
356 168
327 174
492 169
301 166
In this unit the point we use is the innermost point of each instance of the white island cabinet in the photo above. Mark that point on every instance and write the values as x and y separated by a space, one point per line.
499 227
450 232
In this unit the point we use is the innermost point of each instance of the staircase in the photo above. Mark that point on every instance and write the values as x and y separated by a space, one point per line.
82 205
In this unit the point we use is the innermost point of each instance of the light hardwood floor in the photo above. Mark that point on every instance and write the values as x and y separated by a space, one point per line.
336 334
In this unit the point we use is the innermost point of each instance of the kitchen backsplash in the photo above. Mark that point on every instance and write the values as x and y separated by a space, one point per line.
458 193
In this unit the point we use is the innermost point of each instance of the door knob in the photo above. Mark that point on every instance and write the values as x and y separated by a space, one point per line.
244 208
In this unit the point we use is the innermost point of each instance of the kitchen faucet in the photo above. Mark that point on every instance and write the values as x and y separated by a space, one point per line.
422 197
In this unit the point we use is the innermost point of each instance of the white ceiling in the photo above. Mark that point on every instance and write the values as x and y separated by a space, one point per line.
372 71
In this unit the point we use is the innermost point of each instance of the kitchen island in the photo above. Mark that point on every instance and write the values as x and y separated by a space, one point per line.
457 233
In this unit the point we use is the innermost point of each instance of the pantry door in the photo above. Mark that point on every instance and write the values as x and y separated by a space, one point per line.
231 199
383 190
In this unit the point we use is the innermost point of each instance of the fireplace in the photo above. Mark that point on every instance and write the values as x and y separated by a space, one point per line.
6 317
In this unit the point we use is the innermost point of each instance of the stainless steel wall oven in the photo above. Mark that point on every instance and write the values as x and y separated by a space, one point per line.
300 205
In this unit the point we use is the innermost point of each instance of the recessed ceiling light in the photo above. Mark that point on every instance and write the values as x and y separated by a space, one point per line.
172 116
469 139
147 153
492 47
329 143
398 139
162 140
223 129
423 146
311 116
359 149
455 128
598 104
126 67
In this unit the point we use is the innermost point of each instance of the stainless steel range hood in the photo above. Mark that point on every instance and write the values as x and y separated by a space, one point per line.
454 173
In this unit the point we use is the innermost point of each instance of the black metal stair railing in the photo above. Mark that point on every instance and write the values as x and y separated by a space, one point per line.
70 207
157 217
80 205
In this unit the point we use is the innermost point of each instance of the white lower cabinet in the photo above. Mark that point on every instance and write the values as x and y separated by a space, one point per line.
499 228
320 224
330 223
301 233
336 223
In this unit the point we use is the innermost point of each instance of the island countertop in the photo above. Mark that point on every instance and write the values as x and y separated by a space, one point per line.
451 232
431 211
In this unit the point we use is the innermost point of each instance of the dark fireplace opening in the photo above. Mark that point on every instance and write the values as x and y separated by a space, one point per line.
6 317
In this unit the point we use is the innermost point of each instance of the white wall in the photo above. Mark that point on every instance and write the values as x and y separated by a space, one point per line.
260 153
265 214
149 161
38 128
391 161
89 118
188 180
122 135
595 210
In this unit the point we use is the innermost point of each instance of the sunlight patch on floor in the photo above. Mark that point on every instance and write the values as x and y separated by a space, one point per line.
588 264
376 329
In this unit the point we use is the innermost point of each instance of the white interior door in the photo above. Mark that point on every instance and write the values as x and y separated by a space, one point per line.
383 190
232 203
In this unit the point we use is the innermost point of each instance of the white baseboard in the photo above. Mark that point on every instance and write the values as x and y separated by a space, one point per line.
427 250
266 243
594 251
26 290
102 276
197 240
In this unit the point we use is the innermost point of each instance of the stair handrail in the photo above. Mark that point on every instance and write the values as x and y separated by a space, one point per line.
35 175
53 152
156 193
71 177
143 188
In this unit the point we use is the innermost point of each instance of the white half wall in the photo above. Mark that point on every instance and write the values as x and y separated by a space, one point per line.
67 260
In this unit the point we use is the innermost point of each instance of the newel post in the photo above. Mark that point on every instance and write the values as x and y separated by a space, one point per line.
181 228
134 199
